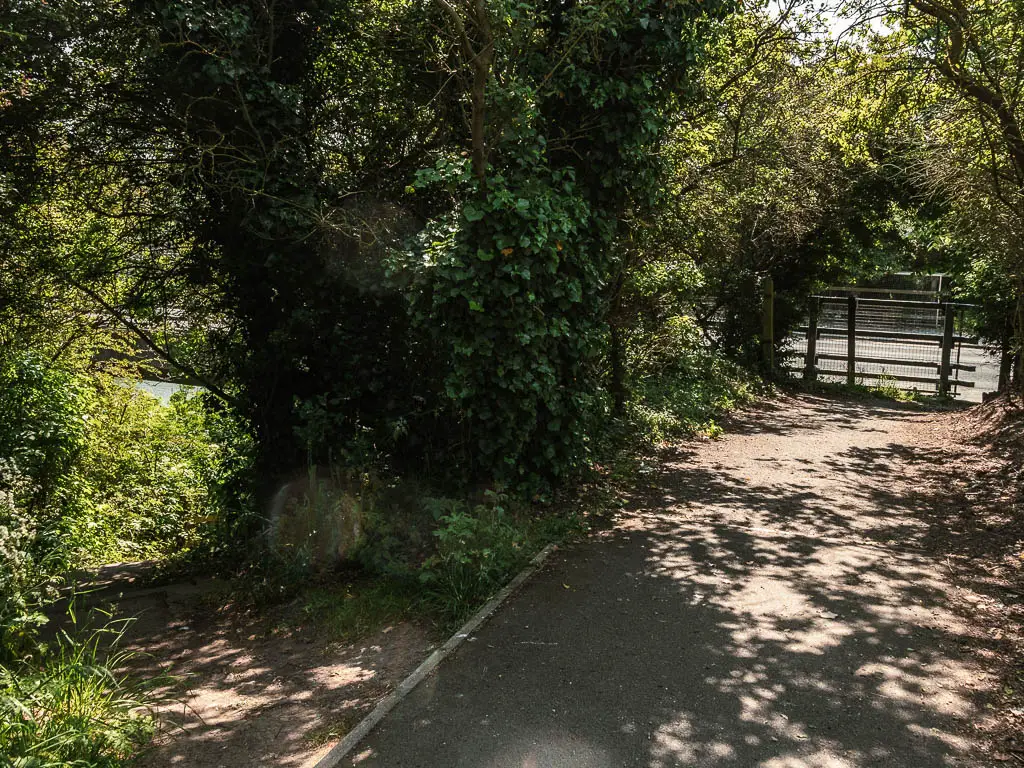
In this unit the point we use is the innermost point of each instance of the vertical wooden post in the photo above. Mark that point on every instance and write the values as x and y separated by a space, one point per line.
1005 365
811 359
851 340
768 325
947 347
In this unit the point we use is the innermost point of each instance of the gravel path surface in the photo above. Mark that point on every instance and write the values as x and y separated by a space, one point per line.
770 601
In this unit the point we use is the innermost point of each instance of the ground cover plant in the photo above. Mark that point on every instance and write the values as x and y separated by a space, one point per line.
69 705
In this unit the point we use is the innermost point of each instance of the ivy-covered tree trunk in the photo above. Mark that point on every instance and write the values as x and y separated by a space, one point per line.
576 111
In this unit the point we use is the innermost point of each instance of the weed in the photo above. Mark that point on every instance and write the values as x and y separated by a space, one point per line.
888 388
357 608
886 391
72 707
477 550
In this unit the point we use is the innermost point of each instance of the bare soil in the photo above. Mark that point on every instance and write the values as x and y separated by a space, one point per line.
243 689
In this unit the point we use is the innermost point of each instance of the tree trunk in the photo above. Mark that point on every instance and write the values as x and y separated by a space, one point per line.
1018 343
618 382
1005 363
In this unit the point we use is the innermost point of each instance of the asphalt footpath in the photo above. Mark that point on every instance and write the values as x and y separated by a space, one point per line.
765 602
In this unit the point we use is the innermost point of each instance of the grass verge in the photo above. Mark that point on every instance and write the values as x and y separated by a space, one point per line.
68 705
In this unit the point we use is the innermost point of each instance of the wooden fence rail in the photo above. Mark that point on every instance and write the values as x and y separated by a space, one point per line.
945 341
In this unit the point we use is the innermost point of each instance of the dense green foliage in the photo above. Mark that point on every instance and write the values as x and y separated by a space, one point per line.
272 252
952 75
107 473
470 248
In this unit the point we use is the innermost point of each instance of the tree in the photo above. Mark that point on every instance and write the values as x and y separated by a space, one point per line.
576 107
954 81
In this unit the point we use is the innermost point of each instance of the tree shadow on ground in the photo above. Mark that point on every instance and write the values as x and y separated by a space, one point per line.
241 689
768 601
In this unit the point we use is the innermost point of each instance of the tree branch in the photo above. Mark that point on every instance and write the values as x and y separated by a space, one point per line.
146 339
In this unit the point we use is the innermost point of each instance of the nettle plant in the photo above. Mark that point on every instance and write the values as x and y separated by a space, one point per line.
566 126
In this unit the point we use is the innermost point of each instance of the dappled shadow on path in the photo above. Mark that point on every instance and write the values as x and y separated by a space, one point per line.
239 691
787 415
768 601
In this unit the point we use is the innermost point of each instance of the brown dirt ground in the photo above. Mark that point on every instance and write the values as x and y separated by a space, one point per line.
968 473
246 689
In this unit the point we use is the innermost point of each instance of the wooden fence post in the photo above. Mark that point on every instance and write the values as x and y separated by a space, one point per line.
768 325
851 340
1005 365
811 359
947 347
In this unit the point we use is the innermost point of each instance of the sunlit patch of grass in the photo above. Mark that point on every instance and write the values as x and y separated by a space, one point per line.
888 388
884 390
351 609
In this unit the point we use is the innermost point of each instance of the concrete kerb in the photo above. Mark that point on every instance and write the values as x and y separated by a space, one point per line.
385 705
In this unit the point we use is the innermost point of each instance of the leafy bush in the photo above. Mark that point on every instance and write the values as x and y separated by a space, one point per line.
42 428
23 585
681 385
107 471
150 475
459 551
42 432
94 471
477 550
74 709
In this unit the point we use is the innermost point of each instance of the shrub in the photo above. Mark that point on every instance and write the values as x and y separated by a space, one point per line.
477 551
42 428
106 471
74 709
150 474
457 551
681 385
23 586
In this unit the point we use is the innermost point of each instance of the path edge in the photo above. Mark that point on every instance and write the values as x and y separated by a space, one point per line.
340 750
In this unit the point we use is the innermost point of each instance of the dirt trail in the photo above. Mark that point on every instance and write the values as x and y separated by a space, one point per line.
246 690
772 600
251 699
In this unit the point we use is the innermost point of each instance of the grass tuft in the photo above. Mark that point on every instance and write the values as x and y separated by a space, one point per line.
72 707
